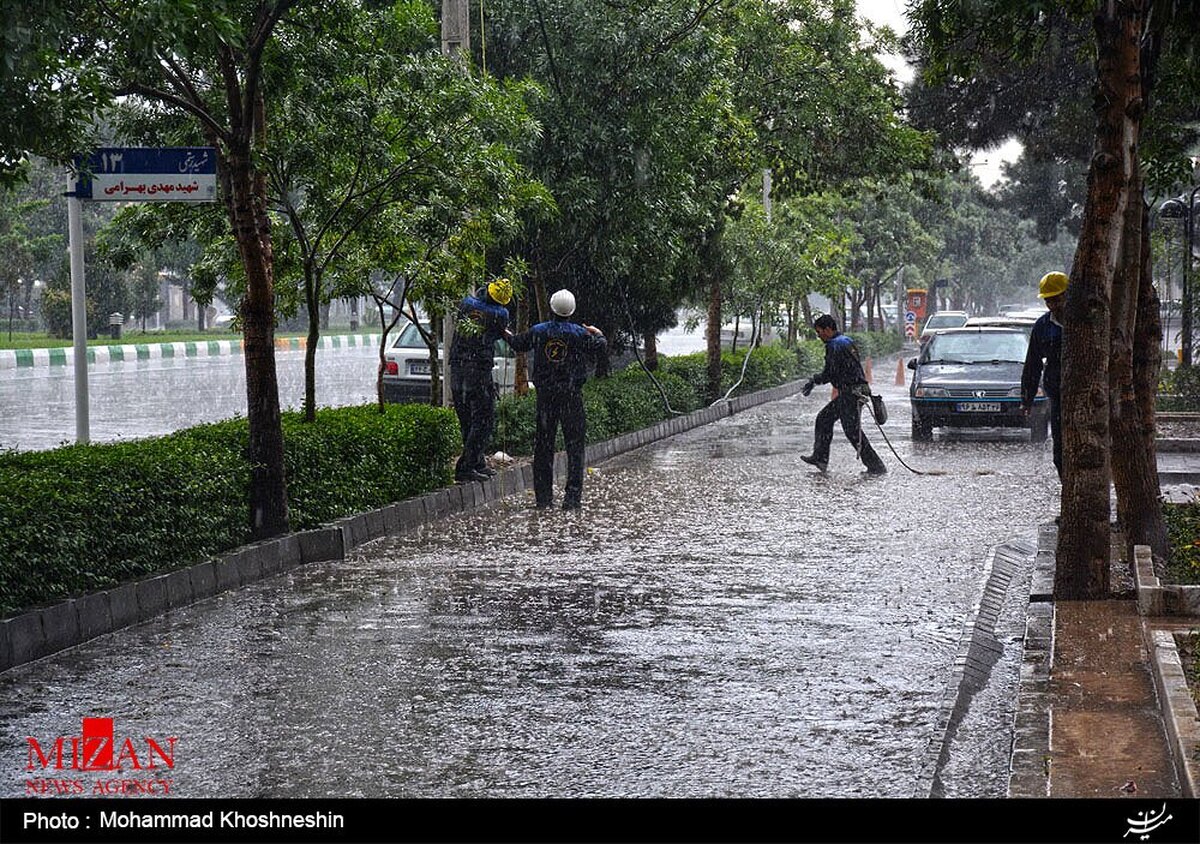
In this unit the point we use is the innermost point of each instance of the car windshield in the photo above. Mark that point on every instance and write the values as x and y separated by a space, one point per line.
978 347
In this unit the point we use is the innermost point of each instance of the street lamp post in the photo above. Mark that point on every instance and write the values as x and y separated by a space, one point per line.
1177 209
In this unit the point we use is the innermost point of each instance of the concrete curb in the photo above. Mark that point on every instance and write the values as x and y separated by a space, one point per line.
64 356
1153 597
47 630
1029 770
1179 708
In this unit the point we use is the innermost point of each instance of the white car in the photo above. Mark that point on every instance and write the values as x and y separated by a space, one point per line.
939 320
1025 323
406 375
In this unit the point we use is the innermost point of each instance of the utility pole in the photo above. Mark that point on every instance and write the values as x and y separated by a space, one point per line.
456 42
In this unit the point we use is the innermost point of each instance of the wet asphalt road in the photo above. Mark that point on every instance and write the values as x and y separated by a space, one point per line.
127 400
720 620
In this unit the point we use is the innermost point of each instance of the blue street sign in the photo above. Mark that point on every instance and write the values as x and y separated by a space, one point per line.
148 174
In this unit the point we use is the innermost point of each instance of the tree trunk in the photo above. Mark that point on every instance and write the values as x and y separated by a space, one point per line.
312 282
541 299
651 344
1084 538
1135 464
713 336
521 373
432 342
251 229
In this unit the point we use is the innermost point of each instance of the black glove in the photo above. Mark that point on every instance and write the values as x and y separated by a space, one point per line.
808 387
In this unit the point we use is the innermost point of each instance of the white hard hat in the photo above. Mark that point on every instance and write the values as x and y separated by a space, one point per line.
563 303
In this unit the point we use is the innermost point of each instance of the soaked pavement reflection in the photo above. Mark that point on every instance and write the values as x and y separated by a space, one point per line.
720 620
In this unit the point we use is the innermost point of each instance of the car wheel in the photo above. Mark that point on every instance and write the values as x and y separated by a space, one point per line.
1039 427
922 432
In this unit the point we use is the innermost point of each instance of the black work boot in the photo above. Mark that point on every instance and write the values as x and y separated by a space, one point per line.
813 461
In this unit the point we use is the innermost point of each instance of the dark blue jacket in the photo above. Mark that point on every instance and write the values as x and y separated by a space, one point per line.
842 366
1044 343
562 351
481 322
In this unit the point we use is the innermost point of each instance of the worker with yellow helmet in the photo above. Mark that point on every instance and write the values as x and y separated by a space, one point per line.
482 320
1043 358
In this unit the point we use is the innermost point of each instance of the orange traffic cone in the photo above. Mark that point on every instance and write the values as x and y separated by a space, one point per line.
900 379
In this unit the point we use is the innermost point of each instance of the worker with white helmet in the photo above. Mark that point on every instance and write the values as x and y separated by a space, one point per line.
562 350
482 320
1045 345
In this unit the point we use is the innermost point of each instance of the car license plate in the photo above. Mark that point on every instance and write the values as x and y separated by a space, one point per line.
418 367
978 407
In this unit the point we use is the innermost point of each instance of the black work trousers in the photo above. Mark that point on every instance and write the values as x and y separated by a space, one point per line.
475 404
1056 432
559 406
845 408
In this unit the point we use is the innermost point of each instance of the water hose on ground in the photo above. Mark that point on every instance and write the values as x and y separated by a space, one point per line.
883 434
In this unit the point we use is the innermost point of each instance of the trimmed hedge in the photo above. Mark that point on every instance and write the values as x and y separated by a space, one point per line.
85 517
1179 390
1183 538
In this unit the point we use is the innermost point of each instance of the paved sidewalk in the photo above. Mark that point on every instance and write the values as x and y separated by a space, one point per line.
1107 737
1090 722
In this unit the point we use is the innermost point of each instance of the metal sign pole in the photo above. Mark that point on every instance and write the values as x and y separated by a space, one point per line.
78 311
124 174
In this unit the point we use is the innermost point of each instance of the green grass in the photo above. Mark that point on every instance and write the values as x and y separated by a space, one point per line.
41 340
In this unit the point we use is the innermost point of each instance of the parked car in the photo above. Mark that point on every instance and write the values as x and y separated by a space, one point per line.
971 378
406 376
940 320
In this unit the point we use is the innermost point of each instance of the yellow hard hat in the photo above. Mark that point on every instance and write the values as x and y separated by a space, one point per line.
1052 284
501 291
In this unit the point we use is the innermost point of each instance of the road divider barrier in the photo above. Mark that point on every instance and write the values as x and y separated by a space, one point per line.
65 355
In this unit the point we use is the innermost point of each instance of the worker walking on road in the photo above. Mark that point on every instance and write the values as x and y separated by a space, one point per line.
1045 345
561 353
844 371
482 320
